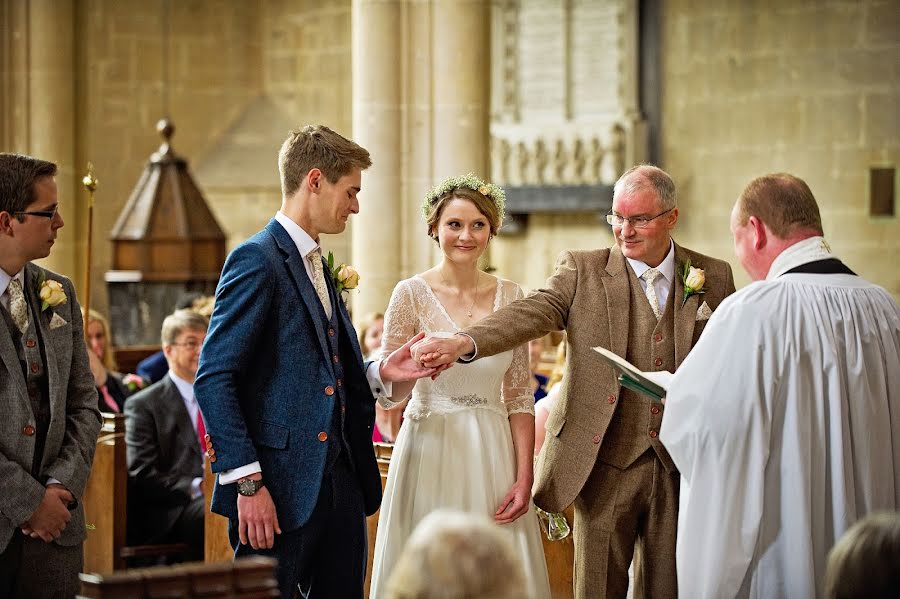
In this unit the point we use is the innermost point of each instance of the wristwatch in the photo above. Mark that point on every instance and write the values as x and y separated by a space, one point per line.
248 487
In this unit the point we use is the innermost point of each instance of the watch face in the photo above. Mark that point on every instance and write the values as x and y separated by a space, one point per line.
247 487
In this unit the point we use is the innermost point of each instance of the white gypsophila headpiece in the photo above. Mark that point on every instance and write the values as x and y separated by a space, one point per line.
493 192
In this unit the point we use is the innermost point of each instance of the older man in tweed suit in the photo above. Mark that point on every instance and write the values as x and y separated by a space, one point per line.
601 449
50 424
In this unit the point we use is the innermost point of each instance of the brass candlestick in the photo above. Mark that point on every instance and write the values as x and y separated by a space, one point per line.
90 184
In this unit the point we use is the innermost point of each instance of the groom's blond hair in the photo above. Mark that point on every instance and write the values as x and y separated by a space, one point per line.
317 146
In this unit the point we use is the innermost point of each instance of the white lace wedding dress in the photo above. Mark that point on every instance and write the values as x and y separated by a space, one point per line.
455 448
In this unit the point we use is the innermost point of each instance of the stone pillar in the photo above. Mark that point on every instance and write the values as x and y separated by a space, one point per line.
377 125
51 122
461 80
461 83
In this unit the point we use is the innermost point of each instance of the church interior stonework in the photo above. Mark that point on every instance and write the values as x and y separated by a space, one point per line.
551 99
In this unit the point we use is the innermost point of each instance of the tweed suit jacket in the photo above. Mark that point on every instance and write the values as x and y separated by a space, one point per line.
266 381
588 297
163 459
74 417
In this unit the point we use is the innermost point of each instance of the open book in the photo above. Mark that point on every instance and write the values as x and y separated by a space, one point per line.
651 384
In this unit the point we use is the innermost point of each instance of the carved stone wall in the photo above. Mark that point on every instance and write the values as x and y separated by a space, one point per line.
565 98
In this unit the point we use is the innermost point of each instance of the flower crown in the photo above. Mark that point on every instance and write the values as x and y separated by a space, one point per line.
470 181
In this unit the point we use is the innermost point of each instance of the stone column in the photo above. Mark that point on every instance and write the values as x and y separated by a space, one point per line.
461 83
461 79
51 122
377 125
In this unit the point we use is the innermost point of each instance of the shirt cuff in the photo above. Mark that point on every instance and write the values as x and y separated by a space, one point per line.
53 481
229 476
474 354
378 387
196 487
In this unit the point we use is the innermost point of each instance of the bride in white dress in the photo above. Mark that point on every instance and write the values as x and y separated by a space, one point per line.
468 436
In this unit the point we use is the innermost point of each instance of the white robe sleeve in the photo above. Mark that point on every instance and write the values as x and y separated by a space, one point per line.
717 428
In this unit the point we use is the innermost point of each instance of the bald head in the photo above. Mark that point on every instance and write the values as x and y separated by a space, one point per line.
784 203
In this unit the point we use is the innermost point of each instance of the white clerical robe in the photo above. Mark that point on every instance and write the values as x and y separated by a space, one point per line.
784 422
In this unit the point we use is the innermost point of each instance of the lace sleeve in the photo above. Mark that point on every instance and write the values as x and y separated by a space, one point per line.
516 394
401 322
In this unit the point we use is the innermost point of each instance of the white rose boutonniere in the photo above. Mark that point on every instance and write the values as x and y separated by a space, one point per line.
693 279
345 277
51 293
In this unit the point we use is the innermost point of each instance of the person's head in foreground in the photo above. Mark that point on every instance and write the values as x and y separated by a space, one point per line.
454 555
865 562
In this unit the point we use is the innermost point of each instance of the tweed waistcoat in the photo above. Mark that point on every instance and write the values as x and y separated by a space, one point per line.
634 427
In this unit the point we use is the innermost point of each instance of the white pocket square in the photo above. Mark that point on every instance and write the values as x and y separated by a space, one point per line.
704 312
57 321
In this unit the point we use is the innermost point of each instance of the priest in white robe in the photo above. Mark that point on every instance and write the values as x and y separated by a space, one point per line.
784 420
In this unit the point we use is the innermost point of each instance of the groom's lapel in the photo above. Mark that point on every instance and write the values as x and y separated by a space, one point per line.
294 263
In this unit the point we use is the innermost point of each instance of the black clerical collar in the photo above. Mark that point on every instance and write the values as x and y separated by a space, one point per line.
829 266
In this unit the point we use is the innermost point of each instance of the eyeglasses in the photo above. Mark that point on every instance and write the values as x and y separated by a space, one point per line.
191 345
638 222
45 213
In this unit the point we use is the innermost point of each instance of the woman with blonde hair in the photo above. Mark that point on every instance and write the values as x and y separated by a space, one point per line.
113 388
468 435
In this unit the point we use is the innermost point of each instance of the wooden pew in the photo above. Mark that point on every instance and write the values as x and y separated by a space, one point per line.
217 547
247 578
105 498
105 501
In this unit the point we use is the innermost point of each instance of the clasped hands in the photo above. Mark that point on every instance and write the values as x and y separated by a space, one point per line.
52 515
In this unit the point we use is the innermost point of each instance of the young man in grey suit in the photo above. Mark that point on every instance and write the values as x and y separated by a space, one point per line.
283 387
602 450
163 435
49 429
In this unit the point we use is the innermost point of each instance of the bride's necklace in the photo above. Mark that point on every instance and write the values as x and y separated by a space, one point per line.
474 293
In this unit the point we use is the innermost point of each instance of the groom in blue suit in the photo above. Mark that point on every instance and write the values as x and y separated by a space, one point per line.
285 395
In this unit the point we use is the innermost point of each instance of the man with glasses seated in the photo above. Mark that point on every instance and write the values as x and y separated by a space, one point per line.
601 449
164 436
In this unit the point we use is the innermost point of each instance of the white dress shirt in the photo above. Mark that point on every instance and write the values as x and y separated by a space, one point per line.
305 244
186 390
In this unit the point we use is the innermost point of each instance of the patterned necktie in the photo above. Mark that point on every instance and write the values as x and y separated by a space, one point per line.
17 306
650 275
315 258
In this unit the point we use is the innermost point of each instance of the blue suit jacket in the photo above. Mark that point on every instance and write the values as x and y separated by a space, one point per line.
263 372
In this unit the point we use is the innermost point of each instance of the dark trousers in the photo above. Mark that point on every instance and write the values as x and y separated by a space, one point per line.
33 569
325 558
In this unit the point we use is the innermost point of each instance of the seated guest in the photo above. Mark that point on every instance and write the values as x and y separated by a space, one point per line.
154 367
863 564
164 438
454 555
538 380
112 387
387 422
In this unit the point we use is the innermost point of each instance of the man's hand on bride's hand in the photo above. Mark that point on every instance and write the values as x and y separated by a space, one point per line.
401 366
515 504
441 351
